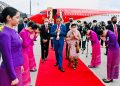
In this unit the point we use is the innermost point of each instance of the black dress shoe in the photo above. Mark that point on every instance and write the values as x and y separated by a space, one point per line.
61 69
56 64
105 53
34 70
107 81
91 66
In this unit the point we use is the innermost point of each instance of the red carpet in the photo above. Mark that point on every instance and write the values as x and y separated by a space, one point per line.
48 75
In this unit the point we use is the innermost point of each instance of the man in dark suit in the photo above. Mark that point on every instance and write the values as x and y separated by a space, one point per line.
79 26
114 27
79 29
68 25
45 37
22 25
95 28
58 31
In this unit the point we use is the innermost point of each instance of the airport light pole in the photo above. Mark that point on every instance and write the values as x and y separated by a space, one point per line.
30 7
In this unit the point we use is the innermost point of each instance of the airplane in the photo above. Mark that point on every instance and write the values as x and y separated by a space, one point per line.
76 14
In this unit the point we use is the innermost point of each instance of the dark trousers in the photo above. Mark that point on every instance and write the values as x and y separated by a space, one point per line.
52 43
67 55
83 45
80 44
102 42
44 49
58 52
106 50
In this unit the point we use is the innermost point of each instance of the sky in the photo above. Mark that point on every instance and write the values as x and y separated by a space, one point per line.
38 5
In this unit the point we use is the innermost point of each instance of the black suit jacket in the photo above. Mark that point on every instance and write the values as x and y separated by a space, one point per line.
80 28
110 27
67 27
45 34
20 27
96 29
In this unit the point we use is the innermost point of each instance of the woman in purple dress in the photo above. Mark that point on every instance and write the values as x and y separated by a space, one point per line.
96 52
113 57
11 49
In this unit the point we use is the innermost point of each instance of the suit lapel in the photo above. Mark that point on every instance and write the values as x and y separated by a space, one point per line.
61 27
112 27
118 28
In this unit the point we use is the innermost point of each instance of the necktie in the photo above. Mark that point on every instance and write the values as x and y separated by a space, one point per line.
115 30
46 27
59 26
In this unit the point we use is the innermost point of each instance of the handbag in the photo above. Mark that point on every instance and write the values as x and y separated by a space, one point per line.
77 47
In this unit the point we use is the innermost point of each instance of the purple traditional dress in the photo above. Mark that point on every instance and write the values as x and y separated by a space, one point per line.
11 49
96 53
113 57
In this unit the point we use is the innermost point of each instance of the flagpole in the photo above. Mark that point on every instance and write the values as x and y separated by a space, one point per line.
30 7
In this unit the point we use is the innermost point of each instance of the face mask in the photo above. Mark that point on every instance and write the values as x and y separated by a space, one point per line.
52 22
114 22
25 21
74 29
94 24
46 23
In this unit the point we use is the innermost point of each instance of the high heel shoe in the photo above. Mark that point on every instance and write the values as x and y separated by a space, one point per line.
91 66
107 81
